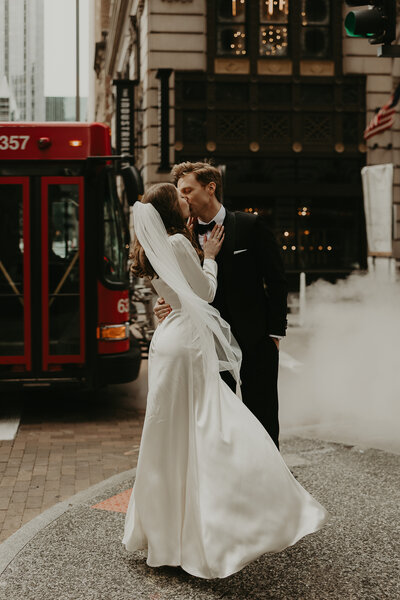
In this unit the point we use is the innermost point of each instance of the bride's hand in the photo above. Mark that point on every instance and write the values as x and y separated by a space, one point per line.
190 224
213 244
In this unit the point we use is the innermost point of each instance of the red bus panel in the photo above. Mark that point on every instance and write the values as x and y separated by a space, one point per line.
113 309
63 275
15 275
53 141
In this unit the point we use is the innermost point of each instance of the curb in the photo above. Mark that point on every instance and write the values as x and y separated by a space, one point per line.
18 540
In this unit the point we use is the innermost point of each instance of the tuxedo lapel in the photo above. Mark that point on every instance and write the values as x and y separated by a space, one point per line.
225 256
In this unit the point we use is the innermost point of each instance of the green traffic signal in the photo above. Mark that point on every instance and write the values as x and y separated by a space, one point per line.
377 22
364 23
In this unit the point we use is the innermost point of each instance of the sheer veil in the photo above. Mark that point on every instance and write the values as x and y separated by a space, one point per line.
218 347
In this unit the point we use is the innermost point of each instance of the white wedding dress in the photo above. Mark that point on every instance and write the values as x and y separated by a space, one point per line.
212 492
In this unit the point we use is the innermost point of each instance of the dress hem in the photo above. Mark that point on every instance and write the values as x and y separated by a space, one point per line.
194 572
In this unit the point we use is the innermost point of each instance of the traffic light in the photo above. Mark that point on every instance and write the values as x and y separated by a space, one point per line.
376 22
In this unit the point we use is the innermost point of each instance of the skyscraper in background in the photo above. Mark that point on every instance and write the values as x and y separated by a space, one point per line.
59 108
22 59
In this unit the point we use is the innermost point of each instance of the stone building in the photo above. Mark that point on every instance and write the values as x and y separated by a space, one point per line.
271 89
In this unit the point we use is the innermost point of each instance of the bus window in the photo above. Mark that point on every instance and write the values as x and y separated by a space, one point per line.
114 250
11 270
64 220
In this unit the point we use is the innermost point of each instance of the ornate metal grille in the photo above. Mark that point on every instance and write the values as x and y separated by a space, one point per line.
318 127
275 126
246 116
231 127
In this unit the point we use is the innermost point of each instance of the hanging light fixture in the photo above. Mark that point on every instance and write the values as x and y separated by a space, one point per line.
271 3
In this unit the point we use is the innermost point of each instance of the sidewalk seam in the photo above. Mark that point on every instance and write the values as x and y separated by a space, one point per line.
12 546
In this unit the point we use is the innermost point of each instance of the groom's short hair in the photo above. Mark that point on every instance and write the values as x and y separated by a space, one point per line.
204 172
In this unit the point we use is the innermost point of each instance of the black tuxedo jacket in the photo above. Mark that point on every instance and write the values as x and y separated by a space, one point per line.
252 287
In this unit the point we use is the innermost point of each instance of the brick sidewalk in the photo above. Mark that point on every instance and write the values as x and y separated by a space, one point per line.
50 461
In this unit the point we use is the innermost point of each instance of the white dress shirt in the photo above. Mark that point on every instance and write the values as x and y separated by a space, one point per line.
218 219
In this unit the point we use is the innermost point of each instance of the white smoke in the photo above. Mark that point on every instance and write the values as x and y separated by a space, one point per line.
347 387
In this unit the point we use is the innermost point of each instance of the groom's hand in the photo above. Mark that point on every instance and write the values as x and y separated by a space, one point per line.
161 310
276 340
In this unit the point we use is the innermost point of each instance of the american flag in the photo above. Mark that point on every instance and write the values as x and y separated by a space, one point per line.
384 118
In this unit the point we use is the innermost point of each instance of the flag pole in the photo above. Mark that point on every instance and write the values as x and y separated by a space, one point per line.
77 107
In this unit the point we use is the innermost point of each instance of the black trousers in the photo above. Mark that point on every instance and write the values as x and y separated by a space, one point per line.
259 375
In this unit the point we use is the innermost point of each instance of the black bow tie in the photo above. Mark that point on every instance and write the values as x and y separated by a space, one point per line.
202 229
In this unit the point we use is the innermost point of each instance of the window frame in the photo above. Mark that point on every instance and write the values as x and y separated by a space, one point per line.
295 28
107 184
110 195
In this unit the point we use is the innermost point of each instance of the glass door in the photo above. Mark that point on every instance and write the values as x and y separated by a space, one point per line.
62 259
15 311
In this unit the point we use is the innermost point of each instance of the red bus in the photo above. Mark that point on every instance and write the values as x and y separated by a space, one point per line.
64 286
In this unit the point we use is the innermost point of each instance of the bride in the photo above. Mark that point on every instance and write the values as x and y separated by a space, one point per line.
212 492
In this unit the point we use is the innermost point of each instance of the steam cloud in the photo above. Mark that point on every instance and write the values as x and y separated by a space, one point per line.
348 386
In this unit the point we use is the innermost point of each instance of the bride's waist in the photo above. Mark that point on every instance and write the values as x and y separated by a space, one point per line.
177 327
175 312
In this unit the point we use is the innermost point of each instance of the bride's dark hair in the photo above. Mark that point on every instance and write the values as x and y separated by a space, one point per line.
164 198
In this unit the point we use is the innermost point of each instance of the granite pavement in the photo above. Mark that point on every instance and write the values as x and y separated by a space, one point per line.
73 550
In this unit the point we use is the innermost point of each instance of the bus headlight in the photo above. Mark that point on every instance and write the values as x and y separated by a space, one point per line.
113 333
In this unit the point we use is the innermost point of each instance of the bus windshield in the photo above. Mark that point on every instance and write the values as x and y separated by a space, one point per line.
115 253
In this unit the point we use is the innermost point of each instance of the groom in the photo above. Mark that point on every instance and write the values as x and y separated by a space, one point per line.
252 290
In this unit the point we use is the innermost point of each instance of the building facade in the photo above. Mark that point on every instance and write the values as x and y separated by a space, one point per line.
22 56
272 90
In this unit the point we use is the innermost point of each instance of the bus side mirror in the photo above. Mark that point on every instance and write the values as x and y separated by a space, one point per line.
133 183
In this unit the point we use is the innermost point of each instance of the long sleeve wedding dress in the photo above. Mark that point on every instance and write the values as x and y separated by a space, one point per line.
212 492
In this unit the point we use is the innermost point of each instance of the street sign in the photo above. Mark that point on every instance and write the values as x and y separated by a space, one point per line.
125 128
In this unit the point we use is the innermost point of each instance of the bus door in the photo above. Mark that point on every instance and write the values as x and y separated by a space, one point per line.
41 273
62 271
15 285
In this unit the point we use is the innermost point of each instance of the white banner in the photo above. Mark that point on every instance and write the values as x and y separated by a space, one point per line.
377 181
